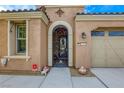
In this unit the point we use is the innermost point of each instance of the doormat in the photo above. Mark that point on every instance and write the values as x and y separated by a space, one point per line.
75 73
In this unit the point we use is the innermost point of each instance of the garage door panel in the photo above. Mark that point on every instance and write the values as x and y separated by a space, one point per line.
107 45
98 42
98 56
114 66
95 40
98 38
115 38
98 46
108 51
121 57
101 54
111 54
116 46
113 59
114 63
98 51
120 52
98 62
116 42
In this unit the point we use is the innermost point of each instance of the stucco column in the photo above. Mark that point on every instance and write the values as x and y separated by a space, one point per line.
8 37
27 25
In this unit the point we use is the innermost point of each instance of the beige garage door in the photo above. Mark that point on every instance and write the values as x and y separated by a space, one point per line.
108 49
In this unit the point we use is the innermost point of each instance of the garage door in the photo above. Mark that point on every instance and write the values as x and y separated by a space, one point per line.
107 48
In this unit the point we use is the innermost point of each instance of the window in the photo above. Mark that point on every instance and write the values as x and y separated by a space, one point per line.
97 33
21 39
116 33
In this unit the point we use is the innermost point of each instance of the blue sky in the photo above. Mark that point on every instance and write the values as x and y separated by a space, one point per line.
88 8
104 8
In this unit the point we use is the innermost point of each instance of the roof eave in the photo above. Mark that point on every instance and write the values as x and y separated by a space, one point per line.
98 17
24 15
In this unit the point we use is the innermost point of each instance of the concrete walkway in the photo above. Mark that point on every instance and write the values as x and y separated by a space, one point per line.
86 82
111 77
61 78
58 78
21 81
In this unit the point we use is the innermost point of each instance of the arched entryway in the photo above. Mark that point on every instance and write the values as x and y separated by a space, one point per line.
60 46
69 35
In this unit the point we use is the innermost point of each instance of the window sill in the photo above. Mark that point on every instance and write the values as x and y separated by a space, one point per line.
18 57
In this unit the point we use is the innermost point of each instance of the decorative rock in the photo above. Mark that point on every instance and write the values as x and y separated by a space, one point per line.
82 70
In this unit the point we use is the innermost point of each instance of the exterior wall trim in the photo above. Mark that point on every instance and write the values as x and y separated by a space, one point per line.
70 40
27 38
9 56
24 15
8 38
99 17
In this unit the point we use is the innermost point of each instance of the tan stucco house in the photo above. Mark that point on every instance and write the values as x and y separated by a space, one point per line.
61 36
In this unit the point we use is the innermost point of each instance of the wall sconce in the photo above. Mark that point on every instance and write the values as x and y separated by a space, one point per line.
12 22
83 35
84 41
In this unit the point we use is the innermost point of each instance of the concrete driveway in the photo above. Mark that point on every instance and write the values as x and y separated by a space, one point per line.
12 81
110 77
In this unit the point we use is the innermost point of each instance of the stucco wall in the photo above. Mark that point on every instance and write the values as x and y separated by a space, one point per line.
3 38
83 53
35 40
44 44
13 40
68 16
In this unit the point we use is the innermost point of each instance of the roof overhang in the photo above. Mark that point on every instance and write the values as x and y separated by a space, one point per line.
24 15
99 17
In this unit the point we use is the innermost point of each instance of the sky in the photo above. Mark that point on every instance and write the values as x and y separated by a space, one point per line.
88 8
16 7
104 8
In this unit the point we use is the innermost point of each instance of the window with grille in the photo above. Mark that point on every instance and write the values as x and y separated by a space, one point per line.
21 39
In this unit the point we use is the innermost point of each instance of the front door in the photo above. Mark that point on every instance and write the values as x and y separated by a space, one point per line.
60 47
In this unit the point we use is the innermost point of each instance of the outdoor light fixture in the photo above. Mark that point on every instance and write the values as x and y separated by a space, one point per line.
83 34
12 22
83 42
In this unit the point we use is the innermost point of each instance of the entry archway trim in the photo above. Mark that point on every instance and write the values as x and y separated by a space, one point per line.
70 41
